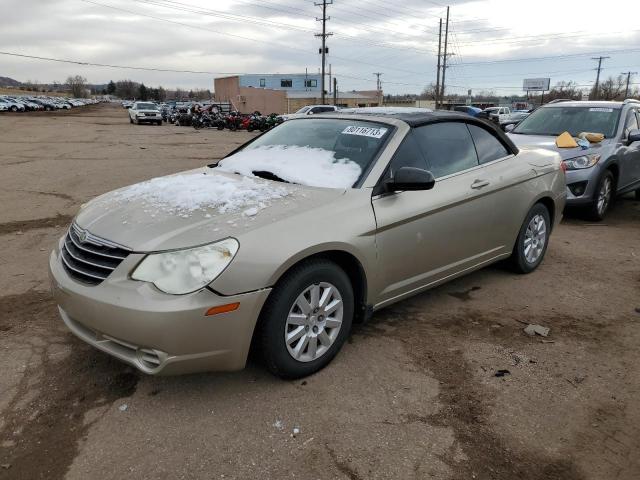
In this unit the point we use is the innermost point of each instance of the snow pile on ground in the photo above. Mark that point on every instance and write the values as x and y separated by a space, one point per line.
314 167
185 193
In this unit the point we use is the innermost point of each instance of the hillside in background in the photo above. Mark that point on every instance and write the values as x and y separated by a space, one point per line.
9 82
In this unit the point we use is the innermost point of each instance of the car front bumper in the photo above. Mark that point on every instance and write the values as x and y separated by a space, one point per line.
587 175
154 118
156 332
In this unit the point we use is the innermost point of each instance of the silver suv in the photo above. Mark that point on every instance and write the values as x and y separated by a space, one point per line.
597 174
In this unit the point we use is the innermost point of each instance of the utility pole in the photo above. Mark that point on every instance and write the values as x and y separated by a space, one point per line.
329 79
378 87
596 88
335 91
444 58
628 74
324 36
437 95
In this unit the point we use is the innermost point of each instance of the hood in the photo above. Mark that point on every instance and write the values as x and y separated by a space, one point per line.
548 142
196 207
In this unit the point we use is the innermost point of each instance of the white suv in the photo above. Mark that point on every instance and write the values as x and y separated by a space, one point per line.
311 110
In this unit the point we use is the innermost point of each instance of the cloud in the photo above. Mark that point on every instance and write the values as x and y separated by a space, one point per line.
278 36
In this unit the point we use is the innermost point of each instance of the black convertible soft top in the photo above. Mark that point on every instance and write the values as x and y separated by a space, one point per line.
424 117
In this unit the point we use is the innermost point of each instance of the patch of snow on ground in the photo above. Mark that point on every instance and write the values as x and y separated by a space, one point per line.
186 193
314 167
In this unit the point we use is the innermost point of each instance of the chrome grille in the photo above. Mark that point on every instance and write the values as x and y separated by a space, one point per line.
90 259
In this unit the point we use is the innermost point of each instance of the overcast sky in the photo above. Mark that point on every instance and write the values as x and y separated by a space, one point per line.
496 43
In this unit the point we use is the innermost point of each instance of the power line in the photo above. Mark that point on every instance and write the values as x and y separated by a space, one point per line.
242 37
532 59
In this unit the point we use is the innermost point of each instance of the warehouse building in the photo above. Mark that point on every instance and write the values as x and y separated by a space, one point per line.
284 93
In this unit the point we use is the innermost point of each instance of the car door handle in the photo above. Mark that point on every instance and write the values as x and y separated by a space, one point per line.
479 183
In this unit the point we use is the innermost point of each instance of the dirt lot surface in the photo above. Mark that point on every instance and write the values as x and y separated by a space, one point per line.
414 394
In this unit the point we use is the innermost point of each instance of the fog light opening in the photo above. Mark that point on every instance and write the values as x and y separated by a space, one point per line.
229 307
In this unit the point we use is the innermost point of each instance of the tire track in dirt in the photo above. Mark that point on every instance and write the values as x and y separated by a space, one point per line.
465 402
58 221
44 420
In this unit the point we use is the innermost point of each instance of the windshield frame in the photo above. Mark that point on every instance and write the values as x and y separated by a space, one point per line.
614 130
365 171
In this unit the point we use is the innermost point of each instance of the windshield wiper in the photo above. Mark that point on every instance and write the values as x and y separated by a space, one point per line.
269 176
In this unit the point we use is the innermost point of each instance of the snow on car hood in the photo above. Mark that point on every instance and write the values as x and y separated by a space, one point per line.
195 208
314 167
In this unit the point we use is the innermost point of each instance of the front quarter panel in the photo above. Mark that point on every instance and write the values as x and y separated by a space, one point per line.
347 224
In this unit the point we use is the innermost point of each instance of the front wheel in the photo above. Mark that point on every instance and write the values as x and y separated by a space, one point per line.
306 319
602 198
532 241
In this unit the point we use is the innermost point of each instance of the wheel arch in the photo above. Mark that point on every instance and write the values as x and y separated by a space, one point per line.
351 265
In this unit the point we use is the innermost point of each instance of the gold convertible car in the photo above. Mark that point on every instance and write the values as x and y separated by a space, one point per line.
296 235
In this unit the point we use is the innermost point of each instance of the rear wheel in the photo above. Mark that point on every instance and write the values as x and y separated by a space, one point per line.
306 319
532 241
603 197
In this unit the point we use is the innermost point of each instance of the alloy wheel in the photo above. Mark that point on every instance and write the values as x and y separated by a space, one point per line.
535 238
604 196
314 322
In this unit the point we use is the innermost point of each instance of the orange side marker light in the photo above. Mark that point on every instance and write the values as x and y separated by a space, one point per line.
229 307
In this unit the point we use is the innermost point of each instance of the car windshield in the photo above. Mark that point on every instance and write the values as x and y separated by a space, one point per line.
146 106
556 120
303 110
331 152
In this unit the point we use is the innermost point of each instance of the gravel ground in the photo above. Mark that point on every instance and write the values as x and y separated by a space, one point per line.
414 394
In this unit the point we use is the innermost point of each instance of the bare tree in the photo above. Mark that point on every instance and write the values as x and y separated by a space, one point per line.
126 89
612 88
77 84
429 92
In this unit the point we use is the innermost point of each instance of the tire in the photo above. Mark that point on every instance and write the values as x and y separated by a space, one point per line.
130 120
534 235
285 301
603 198
14 108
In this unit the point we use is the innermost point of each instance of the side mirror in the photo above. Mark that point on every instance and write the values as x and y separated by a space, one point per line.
634 136
410 178
310 112
509 127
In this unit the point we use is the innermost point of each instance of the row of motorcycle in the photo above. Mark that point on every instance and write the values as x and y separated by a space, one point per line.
212 118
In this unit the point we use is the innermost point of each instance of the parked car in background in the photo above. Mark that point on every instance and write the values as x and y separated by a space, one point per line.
298 234
12 105
310 110
468 109
605 169
145 112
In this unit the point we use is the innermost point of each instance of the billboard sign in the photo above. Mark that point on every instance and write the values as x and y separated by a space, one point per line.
536 84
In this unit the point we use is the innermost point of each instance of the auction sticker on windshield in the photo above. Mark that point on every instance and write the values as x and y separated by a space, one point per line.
372 132
600 109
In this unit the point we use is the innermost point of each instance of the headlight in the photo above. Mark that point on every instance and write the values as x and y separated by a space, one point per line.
185 271
584 161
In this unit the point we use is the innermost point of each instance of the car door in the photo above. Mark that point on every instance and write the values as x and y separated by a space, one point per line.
629 154
508 192
424 237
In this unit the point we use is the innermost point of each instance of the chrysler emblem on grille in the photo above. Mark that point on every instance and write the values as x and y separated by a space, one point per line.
82 236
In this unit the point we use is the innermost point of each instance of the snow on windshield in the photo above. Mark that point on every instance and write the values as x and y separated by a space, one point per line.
186 193
314 167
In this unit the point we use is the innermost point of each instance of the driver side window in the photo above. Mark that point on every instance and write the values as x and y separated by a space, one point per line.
407 155
631 123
